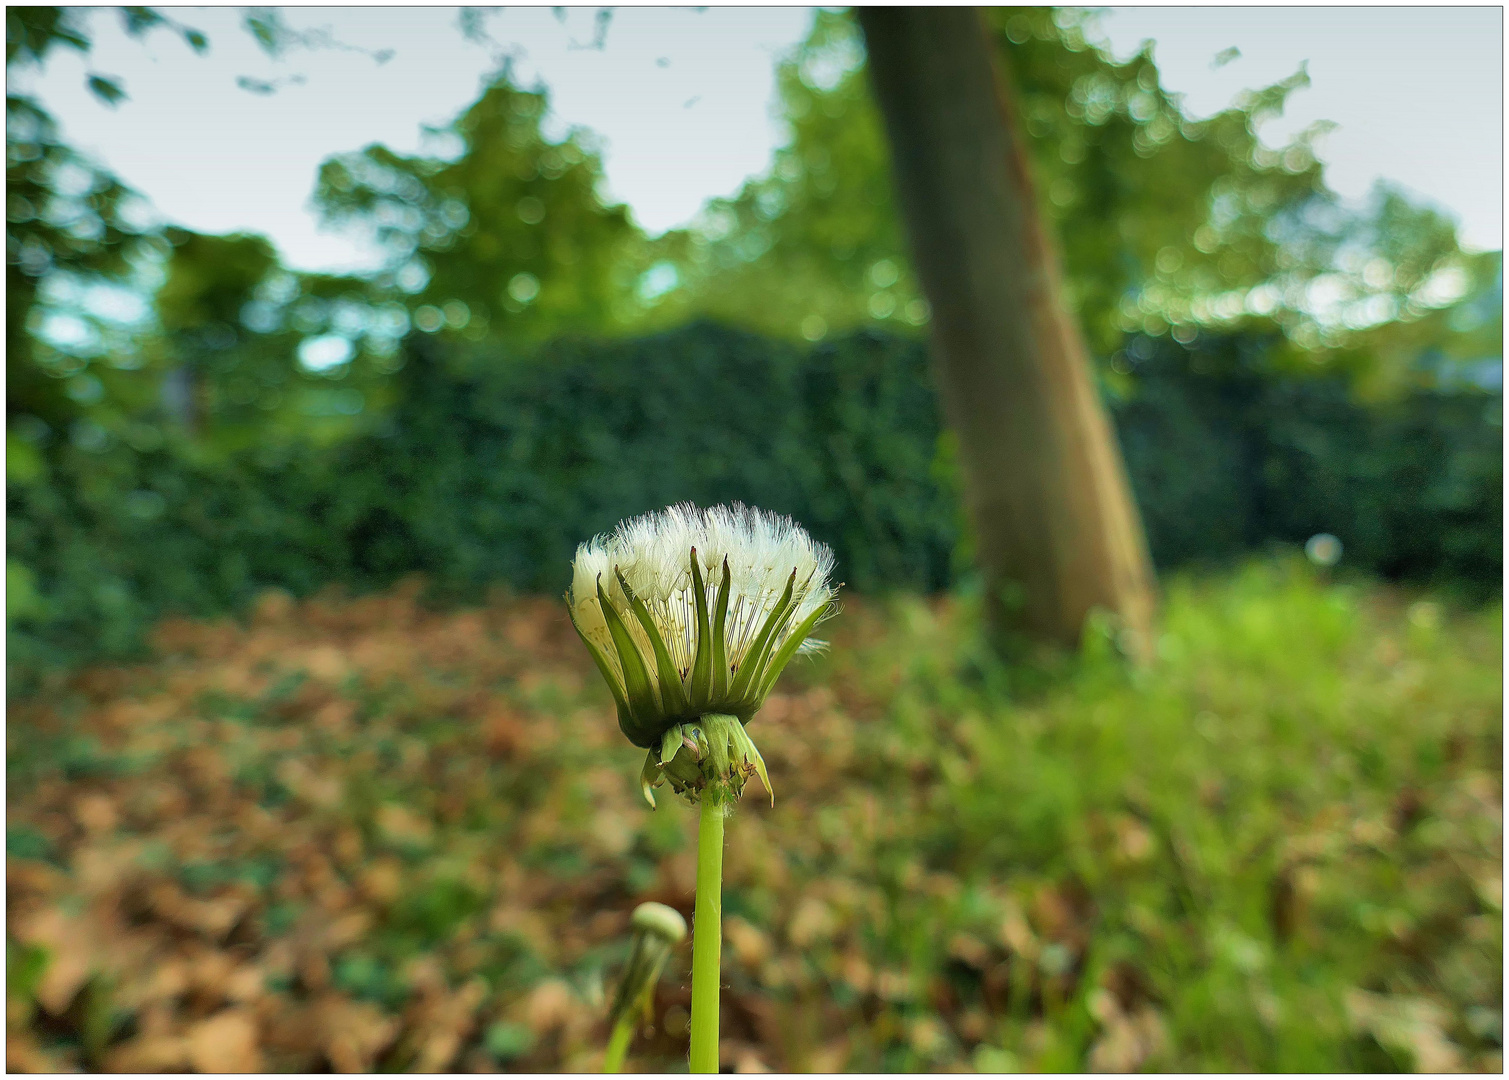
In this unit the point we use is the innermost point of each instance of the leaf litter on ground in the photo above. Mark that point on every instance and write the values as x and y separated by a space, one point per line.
359 834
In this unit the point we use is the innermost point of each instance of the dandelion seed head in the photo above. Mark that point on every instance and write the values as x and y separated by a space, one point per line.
764 555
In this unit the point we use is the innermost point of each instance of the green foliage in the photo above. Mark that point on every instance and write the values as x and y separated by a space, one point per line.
509 240
816 241
433 914
32 32
1165 224
1235 841
215 370
489 472
24 965
1412 255
68 223
499 236
497 473
246 355
70 226
507 1041
1225 456
115 537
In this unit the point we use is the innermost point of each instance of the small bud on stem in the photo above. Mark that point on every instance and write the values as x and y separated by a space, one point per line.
657 930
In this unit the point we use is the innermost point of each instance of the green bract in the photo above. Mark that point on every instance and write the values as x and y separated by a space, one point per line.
690 616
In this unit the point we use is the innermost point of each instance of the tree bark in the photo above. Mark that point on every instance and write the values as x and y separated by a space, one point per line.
1056 530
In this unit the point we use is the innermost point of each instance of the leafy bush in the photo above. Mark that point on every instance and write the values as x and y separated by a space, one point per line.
492 469
1226 456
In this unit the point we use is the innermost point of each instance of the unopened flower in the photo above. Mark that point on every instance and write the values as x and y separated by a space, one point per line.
657 930
691 615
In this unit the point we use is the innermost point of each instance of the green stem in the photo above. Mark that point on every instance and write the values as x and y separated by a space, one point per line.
618 1043
707 936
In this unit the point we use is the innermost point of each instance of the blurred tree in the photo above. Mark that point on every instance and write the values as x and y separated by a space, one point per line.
807 250
199 306
247 354
74 236
509 237
1167 225
814 246
1044 483
1407 307
69 223
240 352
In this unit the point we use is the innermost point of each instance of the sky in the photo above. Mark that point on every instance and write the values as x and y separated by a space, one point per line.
683 100
1417 92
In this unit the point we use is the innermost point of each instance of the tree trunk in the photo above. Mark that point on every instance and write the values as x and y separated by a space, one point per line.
1056 531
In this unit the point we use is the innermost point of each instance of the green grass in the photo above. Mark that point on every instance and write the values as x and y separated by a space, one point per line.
1300 801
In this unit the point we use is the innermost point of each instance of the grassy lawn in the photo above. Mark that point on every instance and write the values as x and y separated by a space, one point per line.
357 834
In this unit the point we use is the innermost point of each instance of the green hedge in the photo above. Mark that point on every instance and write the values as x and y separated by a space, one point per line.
492 469
1225 457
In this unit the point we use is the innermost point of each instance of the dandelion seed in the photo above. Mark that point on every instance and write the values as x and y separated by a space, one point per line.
691 615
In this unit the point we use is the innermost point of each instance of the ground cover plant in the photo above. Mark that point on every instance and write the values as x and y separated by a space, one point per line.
360 834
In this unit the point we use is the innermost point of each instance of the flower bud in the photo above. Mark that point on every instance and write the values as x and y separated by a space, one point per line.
657 930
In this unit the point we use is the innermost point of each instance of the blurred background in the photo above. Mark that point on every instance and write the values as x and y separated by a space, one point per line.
331 333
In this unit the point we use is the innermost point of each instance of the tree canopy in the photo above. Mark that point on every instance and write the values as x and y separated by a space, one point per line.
1166 224
508 236
498 234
